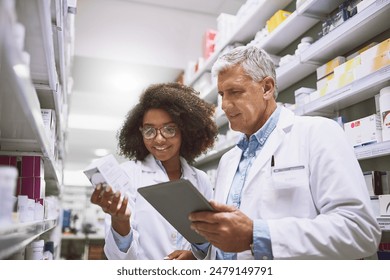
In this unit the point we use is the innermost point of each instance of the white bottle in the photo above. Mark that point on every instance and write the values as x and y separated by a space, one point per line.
34 251
8 176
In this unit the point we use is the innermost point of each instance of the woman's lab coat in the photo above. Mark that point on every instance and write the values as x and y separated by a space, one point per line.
153 237
314 198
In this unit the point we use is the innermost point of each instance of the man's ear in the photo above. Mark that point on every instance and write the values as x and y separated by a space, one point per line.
268 87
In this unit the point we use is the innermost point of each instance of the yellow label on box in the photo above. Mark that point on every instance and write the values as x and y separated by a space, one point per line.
328 67
346 78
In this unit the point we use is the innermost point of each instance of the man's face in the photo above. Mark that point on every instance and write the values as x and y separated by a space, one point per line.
243 100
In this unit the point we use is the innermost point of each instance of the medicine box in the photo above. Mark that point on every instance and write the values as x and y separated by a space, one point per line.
347 66
302 95
209 43
375 51
49 120
328 67
358 52
384 205
364 131
33 187
107 170
324 81
277 19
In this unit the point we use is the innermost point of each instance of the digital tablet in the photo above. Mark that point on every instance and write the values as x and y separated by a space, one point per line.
175 200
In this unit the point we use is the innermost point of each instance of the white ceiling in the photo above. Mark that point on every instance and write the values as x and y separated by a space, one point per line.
121 46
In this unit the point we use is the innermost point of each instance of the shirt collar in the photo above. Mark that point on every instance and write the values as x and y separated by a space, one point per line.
262 134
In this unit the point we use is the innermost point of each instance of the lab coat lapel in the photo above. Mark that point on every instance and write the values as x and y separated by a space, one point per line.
227 174
151 168
272 144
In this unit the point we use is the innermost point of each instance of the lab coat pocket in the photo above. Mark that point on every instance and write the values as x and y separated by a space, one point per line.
288 194
290 176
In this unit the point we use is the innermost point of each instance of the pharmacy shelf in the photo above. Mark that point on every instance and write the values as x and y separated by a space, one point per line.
294 71
211 95
300 21
16 237
286 75
373 150
21 123
287 32
318 8
354 32
59 12
245 31
44 47
353 93
39 41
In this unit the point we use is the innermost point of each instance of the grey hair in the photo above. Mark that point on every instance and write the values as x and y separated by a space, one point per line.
255 61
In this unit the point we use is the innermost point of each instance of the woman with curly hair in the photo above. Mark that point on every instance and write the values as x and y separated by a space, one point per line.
161 135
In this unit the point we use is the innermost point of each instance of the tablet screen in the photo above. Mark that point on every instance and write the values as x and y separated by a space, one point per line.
175 200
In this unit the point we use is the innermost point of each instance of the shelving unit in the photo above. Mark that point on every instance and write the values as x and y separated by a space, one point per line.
351 94
245 31
25 89
373 151
16 237
354 32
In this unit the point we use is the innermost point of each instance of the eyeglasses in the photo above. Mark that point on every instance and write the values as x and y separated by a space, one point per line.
150 132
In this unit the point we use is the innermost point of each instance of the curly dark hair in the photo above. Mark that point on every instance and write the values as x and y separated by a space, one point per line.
191 114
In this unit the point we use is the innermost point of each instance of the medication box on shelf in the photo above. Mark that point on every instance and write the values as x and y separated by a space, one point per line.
358 52
377 63
377 50
328 67
302 95
323 81
49 120
277 19
384 205
364 131
342 80
209 43
347 66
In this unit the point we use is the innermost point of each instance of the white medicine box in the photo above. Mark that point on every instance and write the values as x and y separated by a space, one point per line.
107 170
364 131
384 205
302 96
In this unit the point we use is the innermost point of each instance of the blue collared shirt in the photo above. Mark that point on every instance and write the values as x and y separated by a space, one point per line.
251 148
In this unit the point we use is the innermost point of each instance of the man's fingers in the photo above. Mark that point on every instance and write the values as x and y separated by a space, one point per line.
219 207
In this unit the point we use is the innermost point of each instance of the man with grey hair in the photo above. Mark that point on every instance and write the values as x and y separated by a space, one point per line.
292 187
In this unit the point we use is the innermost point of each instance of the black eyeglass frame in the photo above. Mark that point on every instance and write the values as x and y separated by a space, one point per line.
162 130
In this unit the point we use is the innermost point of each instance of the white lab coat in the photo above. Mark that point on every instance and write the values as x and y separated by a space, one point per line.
320 209
153 237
